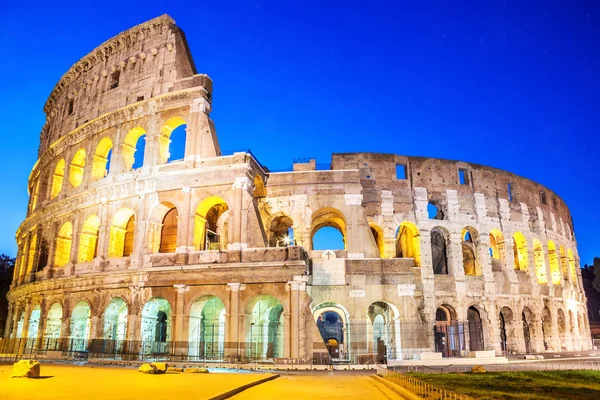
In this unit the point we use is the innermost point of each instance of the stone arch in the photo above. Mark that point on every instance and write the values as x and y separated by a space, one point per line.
265 327
80 325
333 323
133 140
572 267
440 238
408 242
564 264
165 140
156 225
539 262
57 179
328 217
553 261
448 334
475 324
259 190
527 318
384 321
507 328
520 252
31 251
115 321
206 328
547 328
122 233
52 332
88 240
156 326
77 167
562 329
208 234
377 233
470 243
281 231
62 252
101 158
34 322
497 250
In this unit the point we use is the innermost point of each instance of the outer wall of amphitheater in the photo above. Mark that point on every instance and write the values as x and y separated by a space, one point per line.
210 256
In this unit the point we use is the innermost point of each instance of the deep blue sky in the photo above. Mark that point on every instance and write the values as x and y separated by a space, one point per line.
506 84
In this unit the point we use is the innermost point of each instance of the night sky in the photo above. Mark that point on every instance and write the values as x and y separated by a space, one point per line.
504 84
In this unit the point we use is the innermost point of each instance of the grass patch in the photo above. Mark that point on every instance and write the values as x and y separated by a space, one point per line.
580 385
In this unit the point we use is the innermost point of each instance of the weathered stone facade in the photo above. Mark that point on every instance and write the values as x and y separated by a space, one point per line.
211 255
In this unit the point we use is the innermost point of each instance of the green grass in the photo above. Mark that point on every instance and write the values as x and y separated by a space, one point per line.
580 385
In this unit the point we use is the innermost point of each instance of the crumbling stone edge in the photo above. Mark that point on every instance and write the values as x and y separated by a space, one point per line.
240 389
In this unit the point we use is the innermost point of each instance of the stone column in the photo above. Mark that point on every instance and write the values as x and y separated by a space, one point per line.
201 137
240 185
151 151
355 234
41 324
185 225
428 280
25 328
509 264
177 336
232 345
9 320
103 233
76 236
295 289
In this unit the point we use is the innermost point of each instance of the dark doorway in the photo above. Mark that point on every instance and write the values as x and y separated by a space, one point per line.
475 330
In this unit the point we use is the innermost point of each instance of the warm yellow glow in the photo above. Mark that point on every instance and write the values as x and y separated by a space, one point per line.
572 267
168 233
540 262
31 253
206 217
76 168
408 244
57 178
34 195
520 252
164 138
469 238
553 261
130 145
496 244
259 188
328 216
378 236
63 245
89 239
119 232
564 265
100 159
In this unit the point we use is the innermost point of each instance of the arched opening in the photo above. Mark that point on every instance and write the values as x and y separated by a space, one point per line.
122 233
553 261
572 267
76 168
259 191
448 334
520 252
168 233
63 245
207 328
497 249
540 262
53 324
527 318
31 250
265 328
281 232
407 242
547 328
34 194
470 240
562 329
434 211
378 237
34 323
134 148
80 326
385 331
115 324
172 140
564 265
20 323
439 251
506 320
57 178
210 224
328 230
156 326
101 159
88 241
475 329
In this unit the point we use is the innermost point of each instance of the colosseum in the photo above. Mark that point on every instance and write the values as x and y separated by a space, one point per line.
127 251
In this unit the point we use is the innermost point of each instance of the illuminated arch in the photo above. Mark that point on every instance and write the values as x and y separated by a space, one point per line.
88 241
469 243
206 333
130 145
63 245
539 262
34 194
265 328
57 178
156 326
164 140
281 233
80 326
564 264
497 249
207 232
407 242
31 253
101 159
168 233
378 237
520 252
572 267
115 320
553 261
122 232
260 191
53 326
77 167
328 217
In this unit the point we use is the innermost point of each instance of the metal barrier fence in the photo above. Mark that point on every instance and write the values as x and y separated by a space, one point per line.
420 388
541 365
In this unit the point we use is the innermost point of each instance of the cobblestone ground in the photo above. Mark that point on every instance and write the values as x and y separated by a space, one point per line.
328 385
95 382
